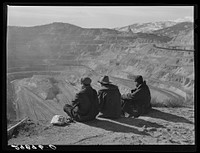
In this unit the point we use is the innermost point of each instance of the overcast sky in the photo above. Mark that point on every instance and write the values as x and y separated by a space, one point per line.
95 16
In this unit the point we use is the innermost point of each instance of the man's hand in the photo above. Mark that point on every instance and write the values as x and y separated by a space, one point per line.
133 90
123 96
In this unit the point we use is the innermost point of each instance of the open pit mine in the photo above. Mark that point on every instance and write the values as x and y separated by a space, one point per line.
45 64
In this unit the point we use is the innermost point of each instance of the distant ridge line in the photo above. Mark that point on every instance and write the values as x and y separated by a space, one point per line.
183 50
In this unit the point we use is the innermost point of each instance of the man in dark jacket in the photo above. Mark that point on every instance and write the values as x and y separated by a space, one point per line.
137 102
109 99
85 105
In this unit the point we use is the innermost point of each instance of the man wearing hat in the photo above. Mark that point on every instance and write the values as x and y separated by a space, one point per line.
109 99
137 102
85 105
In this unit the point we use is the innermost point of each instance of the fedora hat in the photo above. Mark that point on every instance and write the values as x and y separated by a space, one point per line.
86 80
104 80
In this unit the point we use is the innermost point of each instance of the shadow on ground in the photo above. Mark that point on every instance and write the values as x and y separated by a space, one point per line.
117 125
132 125
154 113
139 122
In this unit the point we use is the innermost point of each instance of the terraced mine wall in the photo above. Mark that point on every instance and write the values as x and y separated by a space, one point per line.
176 48
56 88
18 74
64 53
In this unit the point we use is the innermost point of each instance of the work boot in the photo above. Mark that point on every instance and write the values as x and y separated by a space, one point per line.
122 114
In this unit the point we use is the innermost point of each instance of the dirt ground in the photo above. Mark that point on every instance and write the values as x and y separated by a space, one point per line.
161 126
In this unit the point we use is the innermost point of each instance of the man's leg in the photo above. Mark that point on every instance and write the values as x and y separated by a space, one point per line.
136 112
122 105
68 109
71 113
130 108
127 107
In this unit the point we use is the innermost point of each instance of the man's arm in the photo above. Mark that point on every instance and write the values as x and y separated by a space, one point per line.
101 99
96 100
133 95
133 90
137 94
126 96
76 100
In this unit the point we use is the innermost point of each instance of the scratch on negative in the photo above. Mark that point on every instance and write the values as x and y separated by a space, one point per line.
90 137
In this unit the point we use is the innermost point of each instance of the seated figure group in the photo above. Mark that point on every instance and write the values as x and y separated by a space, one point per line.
108 101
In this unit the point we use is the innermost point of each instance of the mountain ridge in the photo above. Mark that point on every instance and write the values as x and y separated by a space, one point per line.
108 51
147 27
46 63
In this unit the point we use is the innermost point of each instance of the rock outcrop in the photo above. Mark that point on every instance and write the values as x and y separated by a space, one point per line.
164 54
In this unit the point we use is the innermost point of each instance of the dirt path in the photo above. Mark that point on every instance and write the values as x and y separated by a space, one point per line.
161 126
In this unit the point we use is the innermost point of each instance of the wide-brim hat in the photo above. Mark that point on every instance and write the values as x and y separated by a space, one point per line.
104 80
86 80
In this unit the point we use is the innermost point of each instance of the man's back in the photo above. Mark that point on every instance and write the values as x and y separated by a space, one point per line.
87 103
109 99
142 95
139 99
94 103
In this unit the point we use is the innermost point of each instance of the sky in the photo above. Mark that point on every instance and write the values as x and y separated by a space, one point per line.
95 16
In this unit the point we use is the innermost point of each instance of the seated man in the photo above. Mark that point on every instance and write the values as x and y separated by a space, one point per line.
109 99
137 102
85 105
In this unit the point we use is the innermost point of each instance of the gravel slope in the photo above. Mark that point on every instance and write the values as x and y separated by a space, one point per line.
162 126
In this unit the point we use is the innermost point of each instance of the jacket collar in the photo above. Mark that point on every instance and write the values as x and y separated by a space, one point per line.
142 84
109 87
85 87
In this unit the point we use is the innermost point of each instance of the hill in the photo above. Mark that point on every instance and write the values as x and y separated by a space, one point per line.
46 62
147 27
163 126
167 123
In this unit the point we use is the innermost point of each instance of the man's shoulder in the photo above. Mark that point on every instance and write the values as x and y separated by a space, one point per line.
145 87
88 89
109 89
94 90
83 90
103 90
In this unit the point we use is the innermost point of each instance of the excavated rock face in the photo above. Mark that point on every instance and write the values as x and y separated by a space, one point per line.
164 55
36 97
40 97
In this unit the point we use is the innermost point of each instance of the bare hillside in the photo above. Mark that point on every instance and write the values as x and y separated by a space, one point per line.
45 64
162 126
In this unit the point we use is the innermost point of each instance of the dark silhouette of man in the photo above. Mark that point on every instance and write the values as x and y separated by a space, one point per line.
109 99
85 105
137 102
